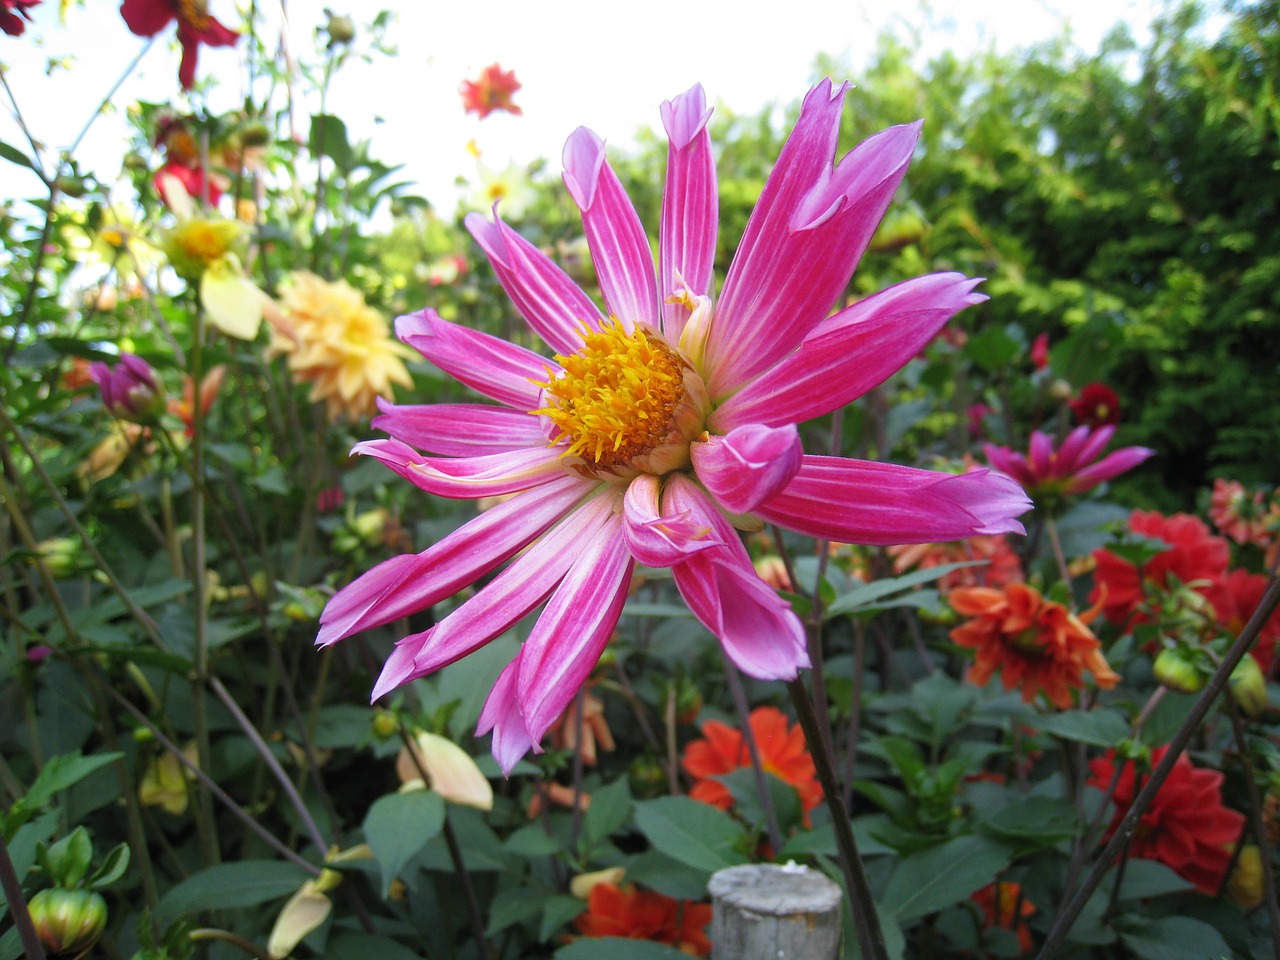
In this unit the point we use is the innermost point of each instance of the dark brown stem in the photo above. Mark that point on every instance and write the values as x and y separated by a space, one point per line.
742 708
11 883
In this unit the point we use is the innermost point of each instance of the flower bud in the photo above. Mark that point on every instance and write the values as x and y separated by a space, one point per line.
68 921
340 29
1178 672
1249 686
1245 885
130 389
582 885
452 771
60 556
254 133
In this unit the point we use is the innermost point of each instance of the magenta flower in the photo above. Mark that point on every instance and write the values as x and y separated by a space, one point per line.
1072 469
130 389
665 422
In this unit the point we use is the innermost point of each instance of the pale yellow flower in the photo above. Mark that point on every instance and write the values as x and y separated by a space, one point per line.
338 344
452 771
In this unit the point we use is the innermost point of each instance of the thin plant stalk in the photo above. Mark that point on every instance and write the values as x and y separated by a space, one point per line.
865 920
1124 830
740 706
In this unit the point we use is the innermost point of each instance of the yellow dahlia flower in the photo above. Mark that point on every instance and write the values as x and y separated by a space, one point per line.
339 344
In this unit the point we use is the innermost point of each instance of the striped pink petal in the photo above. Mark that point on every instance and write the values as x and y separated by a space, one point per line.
690 206
1112 465
502 715
500 370
859 501
552 304
463 478
748 465
654 539
850 353
459 429
619 247
406 584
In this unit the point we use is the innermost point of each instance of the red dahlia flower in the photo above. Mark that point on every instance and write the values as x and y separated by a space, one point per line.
1096 406
491 91
1194 555
146 18
1033 643
14 15
614 911
662 419
1234 597
1186 827
783 753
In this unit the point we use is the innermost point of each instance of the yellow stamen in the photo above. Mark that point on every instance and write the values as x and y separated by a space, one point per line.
617 397
203 241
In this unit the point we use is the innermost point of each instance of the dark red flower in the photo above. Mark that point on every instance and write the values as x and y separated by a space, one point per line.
1194 555
1097 405
1040 351
1004 906
146 18
14 15
614 911
1186 827
491 91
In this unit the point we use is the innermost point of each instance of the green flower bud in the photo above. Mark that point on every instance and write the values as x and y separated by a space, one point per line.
1249 686
68 921
1178 672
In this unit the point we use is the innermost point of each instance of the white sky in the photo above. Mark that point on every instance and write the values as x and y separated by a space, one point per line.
581 62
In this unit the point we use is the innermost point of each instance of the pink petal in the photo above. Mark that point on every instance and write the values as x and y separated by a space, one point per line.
857 501
1040 459
784 280
146 18
406 584
397 671
459 429
1010 463
502 715
850 353
1112 465
656 540
465 478
552 304
748 465
619 247
574 629
500 370
756 627
516 591
1092 443
690 206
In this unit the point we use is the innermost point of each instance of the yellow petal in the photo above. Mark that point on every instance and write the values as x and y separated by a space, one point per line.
453 774
233 303
581 885
305 911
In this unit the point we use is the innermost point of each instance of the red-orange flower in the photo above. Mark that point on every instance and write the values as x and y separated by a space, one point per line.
1194 555
146 18
491 91
1002 567
783 753
614 911
1238 514
1003 906
1033 643
1186 827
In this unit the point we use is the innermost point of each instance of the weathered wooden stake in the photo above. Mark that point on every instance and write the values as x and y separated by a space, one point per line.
764 911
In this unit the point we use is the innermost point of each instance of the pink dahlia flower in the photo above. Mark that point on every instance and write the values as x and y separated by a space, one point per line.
664 422
1072 468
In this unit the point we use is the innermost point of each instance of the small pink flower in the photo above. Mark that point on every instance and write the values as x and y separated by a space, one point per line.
1071 469
130 389
663 418
1040 351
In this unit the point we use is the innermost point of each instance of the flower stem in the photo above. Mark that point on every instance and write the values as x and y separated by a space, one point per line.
753 749
1124 831
865 920
11 883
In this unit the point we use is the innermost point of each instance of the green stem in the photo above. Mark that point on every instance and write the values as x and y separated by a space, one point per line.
866 922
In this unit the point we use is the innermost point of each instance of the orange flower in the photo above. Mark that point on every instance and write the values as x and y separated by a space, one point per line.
556 793
783 753
1003 566
595 729
614 911
1033 643
1002 905
491 91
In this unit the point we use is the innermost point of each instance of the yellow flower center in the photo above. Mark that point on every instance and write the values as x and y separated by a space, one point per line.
618 396
202 240
194 13
112 237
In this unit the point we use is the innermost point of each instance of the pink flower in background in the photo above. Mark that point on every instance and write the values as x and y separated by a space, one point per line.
663 419
1040 351
14 15
490 91
1072 468
1240 515
130 389
146 18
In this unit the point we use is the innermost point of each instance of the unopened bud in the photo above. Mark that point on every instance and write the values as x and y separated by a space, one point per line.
68 921
340 29
1178 672
1249 686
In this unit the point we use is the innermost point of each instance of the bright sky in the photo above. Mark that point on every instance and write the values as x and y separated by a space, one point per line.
581 62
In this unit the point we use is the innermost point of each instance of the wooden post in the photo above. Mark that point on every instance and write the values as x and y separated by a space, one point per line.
764 911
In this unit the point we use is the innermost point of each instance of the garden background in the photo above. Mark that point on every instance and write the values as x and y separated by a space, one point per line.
194 335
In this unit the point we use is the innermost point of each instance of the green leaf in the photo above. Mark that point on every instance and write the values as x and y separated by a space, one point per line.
361 946
943 875
62 772
67 861
694 833
1098 727
112 868
513 906
558 910
329 139
1150 878
399 825
1040 820
533 841
863 595
1180 937
618 948
785 799
14 155
227 886
610 808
